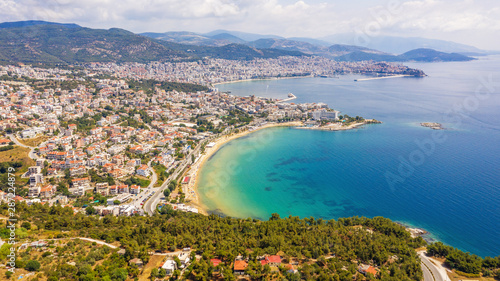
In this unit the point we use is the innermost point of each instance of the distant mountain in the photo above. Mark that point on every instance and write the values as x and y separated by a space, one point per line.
184 37
35 22
337 51
192 38
422 54
363 56
430 55
285 44
244 35
58 44
399 45
230 51
45 42
228 37
311 41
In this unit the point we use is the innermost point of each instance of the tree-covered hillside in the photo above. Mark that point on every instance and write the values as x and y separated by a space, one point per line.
54 43
61 44
325 250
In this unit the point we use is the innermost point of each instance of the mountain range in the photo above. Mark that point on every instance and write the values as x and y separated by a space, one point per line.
66 43
342 52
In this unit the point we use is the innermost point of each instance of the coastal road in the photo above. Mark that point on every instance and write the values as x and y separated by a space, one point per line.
427 273
146 191
151 204
435 272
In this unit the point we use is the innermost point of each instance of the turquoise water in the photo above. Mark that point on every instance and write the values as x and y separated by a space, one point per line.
448 184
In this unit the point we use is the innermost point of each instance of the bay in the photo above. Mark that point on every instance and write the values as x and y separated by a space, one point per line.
450 188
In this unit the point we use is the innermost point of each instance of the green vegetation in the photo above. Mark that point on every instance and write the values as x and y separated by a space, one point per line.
94 177
230 51
348 119
18 159
137 181
147 85
62 45
161 172
32 265
7 147
466 264
55 44
324 248
237 117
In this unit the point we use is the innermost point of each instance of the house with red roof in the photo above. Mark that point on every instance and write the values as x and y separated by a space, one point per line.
4 142
135 189
47 191
81 182
123 188
143 170
239 267
113 189
365 268
271 260
77 171
215 262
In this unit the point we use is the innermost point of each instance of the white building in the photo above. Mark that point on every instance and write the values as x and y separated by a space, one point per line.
36 179
327 115
34 191
170 266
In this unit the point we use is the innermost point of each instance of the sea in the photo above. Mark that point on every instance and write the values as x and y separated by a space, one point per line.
444 181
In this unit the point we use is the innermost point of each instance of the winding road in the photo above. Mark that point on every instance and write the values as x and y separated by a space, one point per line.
433 271
31 154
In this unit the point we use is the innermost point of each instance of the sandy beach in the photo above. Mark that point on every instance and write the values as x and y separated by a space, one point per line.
191 191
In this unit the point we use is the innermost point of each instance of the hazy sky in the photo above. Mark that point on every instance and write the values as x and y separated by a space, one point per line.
470 22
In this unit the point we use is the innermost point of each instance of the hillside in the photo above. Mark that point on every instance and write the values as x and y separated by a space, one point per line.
317 248
191 38
35 22
399 45
52 43
230 51
429 55
61 44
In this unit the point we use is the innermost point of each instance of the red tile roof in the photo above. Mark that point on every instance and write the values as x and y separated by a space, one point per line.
274 259
215 262
240 265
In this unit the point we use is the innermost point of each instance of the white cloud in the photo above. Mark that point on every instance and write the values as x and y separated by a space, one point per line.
311 18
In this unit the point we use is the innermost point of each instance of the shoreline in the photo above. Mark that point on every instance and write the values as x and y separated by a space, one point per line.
261 79
335 127
192 193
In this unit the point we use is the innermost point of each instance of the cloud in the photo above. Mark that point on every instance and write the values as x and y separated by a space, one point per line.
311 18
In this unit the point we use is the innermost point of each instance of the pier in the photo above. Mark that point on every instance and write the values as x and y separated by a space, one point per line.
382 77
290 97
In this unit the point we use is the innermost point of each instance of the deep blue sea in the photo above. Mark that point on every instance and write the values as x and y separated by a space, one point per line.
447 182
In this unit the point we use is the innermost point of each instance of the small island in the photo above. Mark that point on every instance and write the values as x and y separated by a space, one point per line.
434 126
